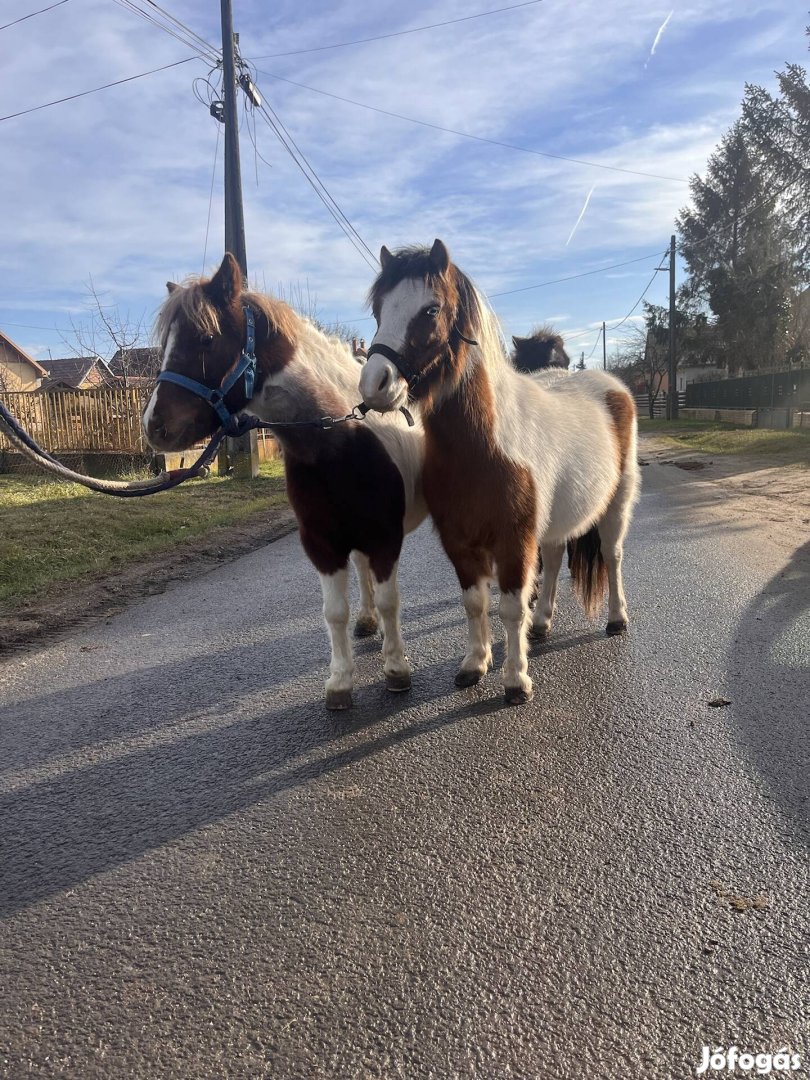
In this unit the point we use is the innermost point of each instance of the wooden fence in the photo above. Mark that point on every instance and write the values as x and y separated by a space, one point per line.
105 420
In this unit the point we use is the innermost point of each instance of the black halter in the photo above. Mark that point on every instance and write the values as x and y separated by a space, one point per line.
398 360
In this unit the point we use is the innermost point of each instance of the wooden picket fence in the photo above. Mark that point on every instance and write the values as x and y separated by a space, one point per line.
106 420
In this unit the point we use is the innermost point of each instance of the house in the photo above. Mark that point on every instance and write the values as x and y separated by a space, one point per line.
18 370
136 367
76 373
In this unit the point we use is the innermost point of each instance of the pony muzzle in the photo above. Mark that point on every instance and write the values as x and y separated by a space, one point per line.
382 386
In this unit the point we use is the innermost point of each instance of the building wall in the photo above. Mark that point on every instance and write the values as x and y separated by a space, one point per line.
16 375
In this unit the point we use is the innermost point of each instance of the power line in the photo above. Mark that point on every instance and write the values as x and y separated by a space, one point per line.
273 120
621 322
175 28
572 277
476 138
41 11
398 33
593 350
95 90
210 202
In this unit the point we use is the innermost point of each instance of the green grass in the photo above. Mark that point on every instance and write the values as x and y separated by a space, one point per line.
790 447
56 532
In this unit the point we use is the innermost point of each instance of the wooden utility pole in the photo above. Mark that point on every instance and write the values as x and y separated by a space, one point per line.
672 395
234 217
242 454
604 349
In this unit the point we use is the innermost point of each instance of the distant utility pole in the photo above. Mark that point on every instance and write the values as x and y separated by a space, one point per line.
243 453
672 396
604 349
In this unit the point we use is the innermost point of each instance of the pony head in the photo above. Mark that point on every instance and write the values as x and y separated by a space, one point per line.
543 348
201 333
428 313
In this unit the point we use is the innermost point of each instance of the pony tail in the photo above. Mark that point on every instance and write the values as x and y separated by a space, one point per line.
588 571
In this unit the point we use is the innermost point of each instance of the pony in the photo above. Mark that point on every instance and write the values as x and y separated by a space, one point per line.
355 487
510 459
542 349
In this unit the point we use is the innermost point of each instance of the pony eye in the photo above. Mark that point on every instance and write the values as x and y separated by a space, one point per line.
206 340
432 311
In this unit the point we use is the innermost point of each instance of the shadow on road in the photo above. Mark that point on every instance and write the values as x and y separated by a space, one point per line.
771 698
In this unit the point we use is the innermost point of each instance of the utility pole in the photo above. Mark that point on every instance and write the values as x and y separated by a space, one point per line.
242 455
604 349
672 396
234 217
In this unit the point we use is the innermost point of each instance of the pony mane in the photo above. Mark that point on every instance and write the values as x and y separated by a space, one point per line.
545 332
190 301
457 287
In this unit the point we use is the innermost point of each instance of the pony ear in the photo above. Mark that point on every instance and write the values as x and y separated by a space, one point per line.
439 257
385 256
227 281
517 341
171 286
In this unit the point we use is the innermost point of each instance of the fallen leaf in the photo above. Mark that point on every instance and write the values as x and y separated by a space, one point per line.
718 703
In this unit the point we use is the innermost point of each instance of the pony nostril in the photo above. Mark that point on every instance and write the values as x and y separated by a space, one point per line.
383 380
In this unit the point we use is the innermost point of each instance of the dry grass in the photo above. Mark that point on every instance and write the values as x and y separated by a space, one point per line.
790 447
52 531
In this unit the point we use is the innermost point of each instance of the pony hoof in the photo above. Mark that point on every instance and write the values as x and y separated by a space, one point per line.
365 628
616 627
336 700
516 695
397 684
467 678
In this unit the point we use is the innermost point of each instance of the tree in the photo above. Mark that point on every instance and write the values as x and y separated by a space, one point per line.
779 129
108 333
643 360
736 243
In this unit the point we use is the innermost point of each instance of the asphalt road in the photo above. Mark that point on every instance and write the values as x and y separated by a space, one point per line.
205 874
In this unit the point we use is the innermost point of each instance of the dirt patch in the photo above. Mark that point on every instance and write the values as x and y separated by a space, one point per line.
65 605
762 489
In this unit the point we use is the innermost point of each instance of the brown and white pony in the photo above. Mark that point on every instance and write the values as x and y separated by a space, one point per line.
542 349
355 488
510 459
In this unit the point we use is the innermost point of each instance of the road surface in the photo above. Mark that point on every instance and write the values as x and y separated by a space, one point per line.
205 874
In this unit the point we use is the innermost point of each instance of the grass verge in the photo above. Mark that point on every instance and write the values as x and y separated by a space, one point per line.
790 447
56 532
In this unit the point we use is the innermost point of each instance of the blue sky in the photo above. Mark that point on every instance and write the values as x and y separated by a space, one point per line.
115 186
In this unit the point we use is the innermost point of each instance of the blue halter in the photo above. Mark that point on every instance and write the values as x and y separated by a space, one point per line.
215 397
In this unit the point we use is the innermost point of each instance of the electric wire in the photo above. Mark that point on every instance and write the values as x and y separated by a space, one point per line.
572 277
475 138
322 192
210 202
176 29
274 121
96 89
398 33
31 14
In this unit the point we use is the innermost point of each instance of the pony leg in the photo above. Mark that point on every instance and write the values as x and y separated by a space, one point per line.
515 615
366 624
478 658
612 530
335 588
396 665
473 568
515 567
552 555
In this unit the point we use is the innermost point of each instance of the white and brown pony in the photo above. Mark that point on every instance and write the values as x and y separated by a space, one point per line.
355 487
510 459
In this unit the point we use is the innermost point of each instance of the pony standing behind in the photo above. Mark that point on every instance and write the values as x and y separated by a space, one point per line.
510 459
355 488
542 349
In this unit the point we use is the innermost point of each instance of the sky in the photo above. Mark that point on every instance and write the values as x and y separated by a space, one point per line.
114 188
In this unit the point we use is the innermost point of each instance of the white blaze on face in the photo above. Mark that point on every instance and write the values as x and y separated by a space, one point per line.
381 385
146 419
